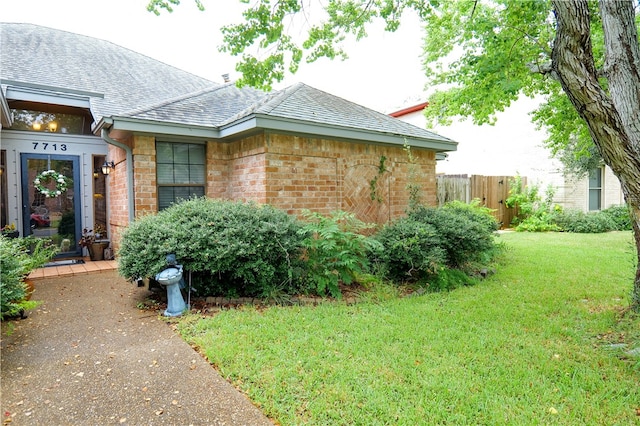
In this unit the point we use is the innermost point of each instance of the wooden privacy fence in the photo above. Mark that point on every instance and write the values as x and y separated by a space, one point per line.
492 191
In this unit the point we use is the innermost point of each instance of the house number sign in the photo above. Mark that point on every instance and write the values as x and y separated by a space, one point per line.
46 146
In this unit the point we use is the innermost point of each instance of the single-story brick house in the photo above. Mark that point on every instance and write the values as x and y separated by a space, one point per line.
72 104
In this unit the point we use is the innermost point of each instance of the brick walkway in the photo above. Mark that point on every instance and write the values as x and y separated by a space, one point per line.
88 267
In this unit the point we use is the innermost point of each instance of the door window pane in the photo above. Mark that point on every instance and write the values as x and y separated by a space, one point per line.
53 216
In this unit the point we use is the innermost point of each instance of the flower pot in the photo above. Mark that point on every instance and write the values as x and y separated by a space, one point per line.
96 250
30 287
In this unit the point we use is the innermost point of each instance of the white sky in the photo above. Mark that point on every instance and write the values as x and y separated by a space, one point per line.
383 72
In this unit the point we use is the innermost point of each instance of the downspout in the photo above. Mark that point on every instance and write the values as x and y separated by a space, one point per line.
130 192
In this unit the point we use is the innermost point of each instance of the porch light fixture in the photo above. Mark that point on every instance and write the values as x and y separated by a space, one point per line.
106 167
53 126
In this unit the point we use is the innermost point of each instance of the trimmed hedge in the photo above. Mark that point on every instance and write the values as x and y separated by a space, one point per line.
234 248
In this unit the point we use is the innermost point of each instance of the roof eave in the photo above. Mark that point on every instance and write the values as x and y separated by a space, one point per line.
142 126
257 121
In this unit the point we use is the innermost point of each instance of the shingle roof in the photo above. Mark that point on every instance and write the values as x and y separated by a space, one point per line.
138 87
127 79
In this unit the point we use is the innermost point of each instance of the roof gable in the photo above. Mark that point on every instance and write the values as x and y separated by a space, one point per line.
146 95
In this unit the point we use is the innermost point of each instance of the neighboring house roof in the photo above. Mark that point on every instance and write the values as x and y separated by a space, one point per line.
132 92
409 109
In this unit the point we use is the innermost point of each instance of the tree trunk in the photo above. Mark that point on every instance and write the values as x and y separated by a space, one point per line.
613 117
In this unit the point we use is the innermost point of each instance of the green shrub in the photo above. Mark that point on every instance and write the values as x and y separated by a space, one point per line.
532 212
620 215
580 222
464 237
410 250
438 246
475 212
541 222
234 248
335 251
18 257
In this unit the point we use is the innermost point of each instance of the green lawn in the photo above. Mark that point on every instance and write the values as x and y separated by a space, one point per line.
529 345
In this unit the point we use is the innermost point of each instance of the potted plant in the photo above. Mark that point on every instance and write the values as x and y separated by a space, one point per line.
10 231
18 258
91 240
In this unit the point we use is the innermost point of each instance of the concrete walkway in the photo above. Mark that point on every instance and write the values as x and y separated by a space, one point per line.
88 356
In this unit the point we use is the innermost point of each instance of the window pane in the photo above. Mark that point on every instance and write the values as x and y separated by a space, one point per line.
168 195
196 174
594 199
196 154
165 197
164 153
186 192
595 178
49 122
165 173
180 153
181 173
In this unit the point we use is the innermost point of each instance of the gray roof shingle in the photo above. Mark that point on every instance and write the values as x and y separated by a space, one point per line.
127 79
135 86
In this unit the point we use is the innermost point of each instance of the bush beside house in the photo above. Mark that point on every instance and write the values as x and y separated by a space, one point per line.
18 257
238 249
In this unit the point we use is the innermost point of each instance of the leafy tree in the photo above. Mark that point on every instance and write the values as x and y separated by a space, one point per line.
582 56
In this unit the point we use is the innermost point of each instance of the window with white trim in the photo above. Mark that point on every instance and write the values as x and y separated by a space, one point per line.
180 172
595 189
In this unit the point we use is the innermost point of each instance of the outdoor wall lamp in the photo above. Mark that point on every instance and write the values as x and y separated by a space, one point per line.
106 167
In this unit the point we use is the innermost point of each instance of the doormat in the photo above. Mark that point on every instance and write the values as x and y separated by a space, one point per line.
64 262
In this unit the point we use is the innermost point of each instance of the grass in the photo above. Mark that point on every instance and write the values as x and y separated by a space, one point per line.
529 345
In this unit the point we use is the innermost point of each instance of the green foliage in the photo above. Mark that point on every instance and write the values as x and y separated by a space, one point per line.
475 211
464 237
532 211
335 250
414 177
542 222
584 223
430 241
232 248
411 250
449 279
620 215
155 6
18 257
616 218
373 184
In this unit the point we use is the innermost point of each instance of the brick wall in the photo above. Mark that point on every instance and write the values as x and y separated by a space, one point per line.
326 175
144 175
118 207
290 172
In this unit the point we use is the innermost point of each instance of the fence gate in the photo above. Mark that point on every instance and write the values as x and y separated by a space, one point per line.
492 191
